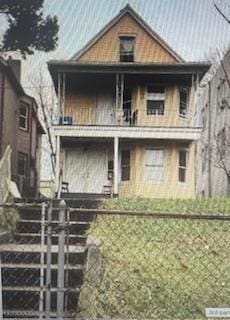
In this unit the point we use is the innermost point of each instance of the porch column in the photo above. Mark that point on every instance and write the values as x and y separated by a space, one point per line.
116 166
57 167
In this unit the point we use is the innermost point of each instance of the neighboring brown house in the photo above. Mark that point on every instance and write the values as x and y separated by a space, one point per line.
20 128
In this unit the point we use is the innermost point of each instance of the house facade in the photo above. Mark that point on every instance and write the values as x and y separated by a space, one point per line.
214 146
20 128
128 114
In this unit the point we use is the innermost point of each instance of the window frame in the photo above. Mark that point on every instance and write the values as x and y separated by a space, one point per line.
187 89
183 167
155 99
131 37
26 158
154 166
24 117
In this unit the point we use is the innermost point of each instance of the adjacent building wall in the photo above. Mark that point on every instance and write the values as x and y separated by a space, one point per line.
212 181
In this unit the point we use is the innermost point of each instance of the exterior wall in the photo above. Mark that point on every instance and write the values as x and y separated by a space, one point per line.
212 181
170 188
10 122
83 105
106 49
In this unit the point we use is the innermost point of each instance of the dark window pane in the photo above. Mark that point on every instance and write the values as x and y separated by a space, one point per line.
22 164
155 107
182 158
125 165
22 122
182 174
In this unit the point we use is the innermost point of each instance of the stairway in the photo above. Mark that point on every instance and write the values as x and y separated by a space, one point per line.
22 267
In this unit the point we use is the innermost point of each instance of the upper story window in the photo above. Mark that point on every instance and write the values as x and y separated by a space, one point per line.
24 116
156 100
184 102
127 49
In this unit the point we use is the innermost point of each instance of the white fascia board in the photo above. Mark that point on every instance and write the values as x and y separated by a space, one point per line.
128 132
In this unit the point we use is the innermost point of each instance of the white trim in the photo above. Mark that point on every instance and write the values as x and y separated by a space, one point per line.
178 133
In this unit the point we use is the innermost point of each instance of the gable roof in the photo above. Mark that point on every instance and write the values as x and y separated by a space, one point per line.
127 9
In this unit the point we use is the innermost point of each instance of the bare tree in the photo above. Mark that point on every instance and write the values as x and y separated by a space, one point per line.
223 8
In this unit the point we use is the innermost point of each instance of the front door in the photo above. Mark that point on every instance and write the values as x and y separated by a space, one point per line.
86 170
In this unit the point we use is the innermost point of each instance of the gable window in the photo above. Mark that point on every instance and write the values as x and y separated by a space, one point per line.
125 165
127 49
22 164
156 100
183 159
184 101
154 165
23 116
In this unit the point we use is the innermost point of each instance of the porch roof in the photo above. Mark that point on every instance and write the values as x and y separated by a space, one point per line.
182 69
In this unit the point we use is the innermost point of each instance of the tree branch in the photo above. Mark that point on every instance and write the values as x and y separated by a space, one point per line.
221 13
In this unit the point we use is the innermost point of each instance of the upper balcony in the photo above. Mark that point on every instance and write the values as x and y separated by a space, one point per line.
144 101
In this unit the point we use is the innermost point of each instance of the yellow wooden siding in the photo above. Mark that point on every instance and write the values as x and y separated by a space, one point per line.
106 49
81 105
170 188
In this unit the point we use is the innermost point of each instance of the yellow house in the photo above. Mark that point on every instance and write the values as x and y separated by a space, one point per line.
128 119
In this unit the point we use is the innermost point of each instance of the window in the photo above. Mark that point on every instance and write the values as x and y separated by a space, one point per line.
204 116
110 170
125 165
184 101
183 159
23 116
127 49
22 164
154 165
155 100
221 144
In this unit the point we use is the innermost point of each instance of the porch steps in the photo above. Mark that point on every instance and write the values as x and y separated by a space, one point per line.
21 262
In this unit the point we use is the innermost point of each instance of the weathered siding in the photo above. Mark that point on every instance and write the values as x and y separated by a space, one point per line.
106 49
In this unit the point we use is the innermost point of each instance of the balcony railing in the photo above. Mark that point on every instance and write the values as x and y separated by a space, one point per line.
94 116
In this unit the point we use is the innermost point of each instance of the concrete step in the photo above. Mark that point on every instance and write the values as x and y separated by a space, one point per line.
34 226
15 276
35 238
31 253
27 298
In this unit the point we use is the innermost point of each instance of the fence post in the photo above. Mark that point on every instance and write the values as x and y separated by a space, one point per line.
42 261
48 260
61 261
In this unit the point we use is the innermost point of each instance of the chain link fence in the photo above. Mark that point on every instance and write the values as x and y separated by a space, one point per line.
86 263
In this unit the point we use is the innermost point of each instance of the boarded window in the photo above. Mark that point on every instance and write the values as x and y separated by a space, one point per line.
183 159
127 49
125 165
184 101
23 116
154 165
22 164
155 100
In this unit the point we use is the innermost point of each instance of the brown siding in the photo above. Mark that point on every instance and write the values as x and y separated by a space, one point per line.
106 49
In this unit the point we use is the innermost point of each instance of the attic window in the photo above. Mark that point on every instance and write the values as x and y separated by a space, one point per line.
127 49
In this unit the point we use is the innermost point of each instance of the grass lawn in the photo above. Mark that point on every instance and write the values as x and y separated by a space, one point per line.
159 268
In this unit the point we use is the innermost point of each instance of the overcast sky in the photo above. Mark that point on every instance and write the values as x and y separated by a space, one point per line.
191 27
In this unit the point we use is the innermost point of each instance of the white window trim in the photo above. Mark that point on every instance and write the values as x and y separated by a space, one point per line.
163 166
186 168
26 117
182 117
146 99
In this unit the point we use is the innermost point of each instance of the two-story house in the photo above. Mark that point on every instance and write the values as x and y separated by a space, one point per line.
128 114
20 128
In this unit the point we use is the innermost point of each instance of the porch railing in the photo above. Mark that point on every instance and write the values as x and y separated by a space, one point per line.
96 116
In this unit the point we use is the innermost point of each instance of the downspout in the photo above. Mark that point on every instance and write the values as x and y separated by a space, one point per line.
2 112
209 142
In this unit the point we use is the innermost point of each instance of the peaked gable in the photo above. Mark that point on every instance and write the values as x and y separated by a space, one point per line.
149 47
